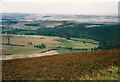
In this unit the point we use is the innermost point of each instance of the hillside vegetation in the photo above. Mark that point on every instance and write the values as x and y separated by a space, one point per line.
106 34
99 65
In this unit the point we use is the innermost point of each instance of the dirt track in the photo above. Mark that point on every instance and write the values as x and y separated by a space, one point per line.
9 57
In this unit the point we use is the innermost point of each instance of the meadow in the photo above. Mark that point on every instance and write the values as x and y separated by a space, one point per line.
20 44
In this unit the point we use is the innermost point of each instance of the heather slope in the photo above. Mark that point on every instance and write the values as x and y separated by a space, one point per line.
86 65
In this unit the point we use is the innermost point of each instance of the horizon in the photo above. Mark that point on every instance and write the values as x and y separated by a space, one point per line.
56 14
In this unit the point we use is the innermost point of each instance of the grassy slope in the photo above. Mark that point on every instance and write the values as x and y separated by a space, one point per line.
86 65
48 41
21 40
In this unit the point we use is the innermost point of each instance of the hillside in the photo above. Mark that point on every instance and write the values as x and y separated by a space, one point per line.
107 35
99 65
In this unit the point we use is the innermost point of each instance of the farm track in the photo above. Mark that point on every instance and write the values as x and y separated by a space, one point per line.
61 67
10 57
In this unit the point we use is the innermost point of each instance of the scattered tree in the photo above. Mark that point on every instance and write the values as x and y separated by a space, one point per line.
41 46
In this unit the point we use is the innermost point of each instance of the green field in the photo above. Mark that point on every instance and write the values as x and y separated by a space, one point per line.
50 42
69 51
77 44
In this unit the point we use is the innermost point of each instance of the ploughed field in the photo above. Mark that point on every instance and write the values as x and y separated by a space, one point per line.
99 65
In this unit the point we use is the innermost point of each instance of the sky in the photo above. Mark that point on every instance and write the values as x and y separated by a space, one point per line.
79 7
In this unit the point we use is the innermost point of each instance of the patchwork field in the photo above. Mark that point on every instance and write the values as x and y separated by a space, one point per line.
23 40
99 65
20 44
